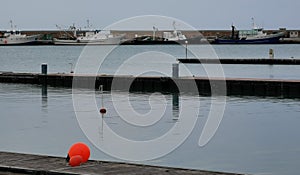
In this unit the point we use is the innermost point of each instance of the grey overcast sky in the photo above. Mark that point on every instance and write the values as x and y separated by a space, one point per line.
201 14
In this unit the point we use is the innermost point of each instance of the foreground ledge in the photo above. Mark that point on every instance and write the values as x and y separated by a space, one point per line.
47 165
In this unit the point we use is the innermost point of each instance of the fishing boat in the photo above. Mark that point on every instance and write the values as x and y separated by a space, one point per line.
89 37
254 36
147 40
168 37
15 37
175 35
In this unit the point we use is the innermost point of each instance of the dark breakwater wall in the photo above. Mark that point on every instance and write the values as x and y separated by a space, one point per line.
234 86
262 61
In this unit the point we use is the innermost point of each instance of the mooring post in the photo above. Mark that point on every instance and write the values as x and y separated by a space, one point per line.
271 53
43 78
175 70
186 49
44 68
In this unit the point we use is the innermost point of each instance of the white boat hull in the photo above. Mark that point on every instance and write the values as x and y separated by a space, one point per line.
107 41
18 40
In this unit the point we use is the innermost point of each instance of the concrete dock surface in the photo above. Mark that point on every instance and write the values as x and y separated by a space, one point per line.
17 163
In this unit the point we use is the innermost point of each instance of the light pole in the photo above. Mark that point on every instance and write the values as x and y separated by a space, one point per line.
186 49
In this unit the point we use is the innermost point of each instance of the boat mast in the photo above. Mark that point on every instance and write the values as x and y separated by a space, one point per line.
74 30
232 31
64 30
11 25
175 30
253 23
88 24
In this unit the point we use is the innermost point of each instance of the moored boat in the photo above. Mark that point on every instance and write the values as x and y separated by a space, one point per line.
90 37
168 37
14 37
254 36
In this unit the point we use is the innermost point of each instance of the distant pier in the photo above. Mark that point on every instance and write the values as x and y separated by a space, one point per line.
16 163
262 61
234 86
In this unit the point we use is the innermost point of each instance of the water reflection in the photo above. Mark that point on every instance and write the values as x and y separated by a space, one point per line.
101 131
175 106
271 67
113 119
44 96
257 135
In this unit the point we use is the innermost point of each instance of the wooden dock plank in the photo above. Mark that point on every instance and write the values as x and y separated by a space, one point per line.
17 163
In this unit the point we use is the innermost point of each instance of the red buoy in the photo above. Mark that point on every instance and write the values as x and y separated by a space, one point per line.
79 149
75 160
103 111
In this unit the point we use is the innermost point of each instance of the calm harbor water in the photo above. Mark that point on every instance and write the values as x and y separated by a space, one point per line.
256 135
61 59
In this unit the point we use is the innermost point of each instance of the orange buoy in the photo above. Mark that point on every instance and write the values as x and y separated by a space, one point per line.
79 149
103 111
75 160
